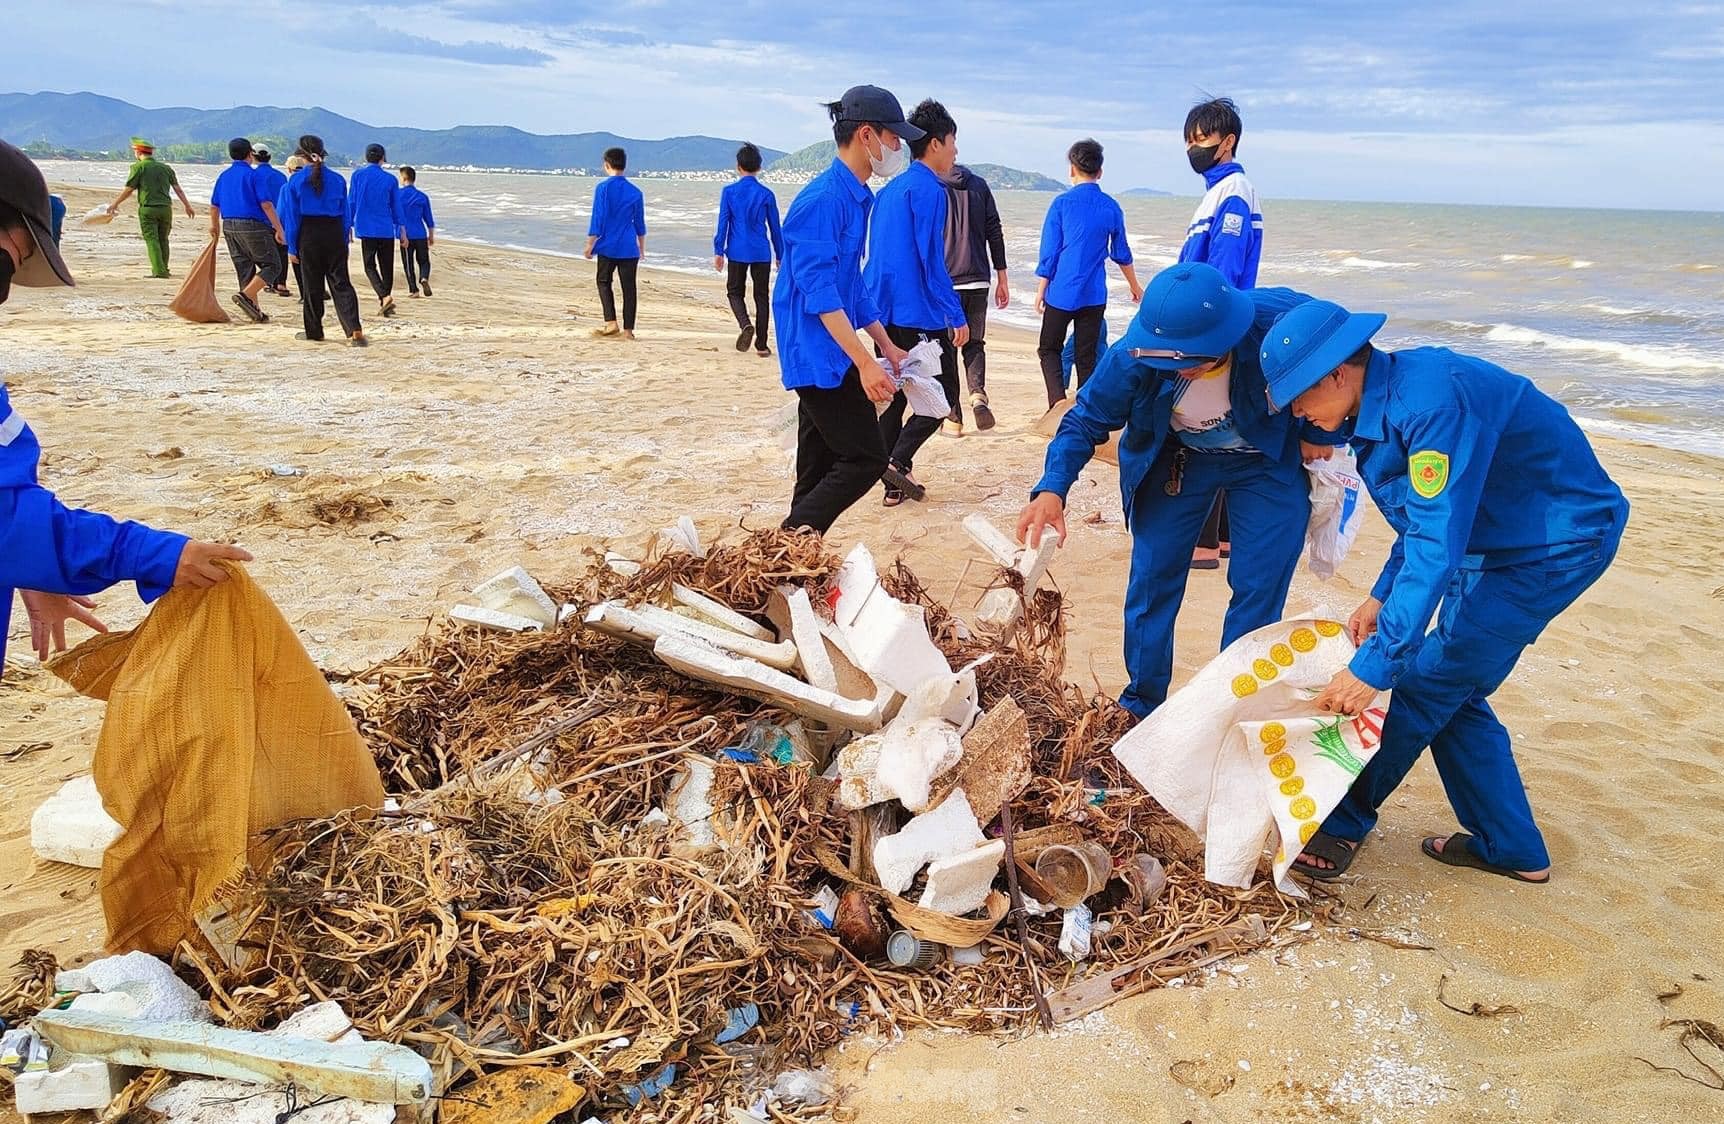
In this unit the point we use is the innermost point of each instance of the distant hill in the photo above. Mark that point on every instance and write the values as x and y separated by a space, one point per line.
89 123
1145 191
807 162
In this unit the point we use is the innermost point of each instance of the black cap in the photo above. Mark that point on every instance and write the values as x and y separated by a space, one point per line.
373 152
872 104
22 187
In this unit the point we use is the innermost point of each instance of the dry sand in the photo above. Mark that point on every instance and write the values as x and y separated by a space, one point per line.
498 433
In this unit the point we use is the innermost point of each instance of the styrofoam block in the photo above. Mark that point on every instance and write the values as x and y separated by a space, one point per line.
200 1101
621 564
515 591
491 618
690 806
108 1003
912 754
325 1022
648 623
891 640
998 545
76 1084
718 612
700 660
811 652
73 979
1002 607
71 826
961 883
858 578
853 682
160 994
951 697
948 830
858 769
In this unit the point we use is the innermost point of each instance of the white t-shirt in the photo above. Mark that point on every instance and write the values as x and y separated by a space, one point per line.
1203 411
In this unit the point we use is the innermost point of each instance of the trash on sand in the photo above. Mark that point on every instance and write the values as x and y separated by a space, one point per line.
804 1086
651 1087
738 1022
1075 933
71 826
517 1095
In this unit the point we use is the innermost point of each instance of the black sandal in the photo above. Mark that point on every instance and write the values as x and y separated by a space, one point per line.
1330 848
745 338
248 306
893 497
1457 851
897 478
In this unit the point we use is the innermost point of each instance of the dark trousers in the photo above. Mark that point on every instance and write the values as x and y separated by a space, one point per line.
975 302
1055 321
624 268
839 454
379 264
734 288
416 262
1215 529
323 261
281 266
901 432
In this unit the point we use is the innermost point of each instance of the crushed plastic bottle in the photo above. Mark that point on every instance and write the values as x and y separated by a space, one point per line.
804 1086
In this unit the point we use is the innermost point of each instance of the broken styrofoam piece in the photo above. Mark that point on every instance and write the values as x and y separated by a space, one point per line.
858 766
322 1022
912 754
811 654
753 679
369 1071
566 612
73 1084
1001 608
107 1003
621 564
199 1101
853 682
493 619
159 993
690 807
998 545
996 761
683 536
948 830
891 640
857 580
72 827
959 884
951 696
648 623
718 612
515 591
73 979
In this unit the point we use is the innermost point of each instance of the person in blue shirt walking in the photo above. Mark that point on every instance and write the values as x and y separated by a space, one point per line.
316 222
270 181
240 210
374 213
749 237
820 301
616 234
1227 232
1083 229
1501 512
57 556
420 230
907 279
1184 383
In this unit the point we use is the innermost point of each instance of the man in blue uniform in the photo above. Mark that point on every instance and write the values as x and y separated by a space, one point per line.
243 210
820 302
374 213
907 279
270 181
54 555
419 226
1185 385
749 238
616 234
1501 511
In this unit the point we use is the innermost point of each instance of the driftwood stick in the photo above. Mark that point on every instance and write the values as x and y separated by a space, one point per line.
1043 1012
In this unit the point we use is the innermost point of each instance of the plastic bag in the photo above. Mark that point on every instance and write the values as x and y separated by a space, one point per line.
196 300
918 378
1335 512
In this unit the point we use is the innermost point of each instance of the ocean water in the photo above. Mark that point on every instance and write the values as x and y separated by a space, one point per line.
1618 314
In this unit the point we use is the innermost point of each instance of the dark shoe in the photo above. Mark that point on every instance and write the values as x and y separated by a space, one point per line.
358 341
745 338
763 352
388 306
425 286
984 416
306 338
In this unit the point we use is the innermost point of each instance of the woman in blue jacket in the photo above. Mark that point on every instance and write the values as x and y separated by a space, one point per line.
313 212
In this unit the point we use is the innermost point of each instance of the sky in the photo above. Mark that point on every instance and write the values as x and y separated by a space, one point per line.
1576 103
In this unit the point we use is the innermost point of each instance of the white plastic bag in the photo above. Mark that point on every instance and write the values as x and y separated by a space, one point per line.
919 379
1335 511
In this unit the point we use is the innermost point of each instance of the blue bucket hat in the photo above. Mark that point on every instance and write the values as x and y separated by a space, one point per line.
1189 315
1307 343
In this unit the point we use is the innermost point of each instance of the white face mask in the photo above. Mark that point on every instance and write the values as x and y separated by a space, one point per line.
891 161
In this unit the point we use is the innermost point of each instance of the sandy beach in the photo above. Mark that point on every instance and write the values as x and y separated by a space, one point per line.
485 428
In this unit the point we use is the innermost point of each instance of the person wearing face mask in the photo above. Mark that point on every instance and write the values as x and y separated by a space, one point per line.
1226 231
907 278
1184 384
1083 229
57 556
1501 512
819 303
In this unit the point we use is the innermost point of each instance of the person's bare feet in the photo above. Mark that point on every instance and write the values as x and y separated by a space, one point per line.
1437 843
628 333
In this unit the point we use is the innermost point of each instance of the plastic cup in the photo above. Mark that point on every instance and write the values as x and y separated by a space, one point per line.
1074 872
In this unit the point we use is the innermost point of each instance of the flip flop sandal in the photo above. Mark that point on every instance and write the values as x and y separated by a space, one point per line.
1227 550
1458 851
389 306
897 478
763 352
745 338
1206 563
892 498
1334 849
249 307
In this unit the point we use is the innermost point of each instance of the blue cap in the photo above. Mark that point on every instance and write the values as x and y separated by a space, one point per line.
1308 342
1189 314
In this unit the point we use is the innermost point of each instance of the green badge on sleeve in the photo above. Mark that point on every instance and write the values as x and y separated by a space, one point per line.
1429 471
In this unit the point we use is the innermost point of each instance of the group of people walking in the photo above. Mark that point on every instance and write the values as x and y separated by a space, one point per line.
303 220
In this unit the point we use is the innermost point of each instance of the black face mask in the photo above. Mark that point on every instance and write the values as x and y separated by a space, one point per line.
7 268
1202 159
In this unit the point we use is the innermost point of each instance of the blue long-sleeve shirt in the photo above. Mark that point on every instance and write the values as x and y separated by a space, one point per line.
1475 468
748 229
906 271
1226 230
270 181
1127 393
619 218
237 193
52 548
822 272
416 212
374 203
1083 229
299 201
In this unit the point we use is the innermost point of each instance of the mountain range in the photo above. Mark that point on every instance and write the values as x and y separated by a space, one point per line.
90 124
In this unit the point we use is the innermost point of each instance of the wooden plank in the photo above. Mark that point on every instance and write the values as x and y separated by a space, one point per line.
369 1071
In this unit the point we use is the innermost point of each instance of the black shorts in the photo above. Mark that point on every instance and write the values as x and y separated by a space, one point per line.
252 244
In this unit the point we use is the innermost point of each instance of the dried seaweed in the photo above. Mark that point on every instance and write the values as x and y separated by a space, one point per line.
31 987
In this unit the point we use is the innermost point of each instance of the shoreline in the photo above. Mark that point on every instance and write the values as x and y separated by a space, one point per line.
492 431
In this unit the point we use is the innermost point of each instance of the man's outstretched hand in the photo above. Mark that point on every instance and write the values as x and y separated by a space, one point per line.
1044 513
198 567
49 612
